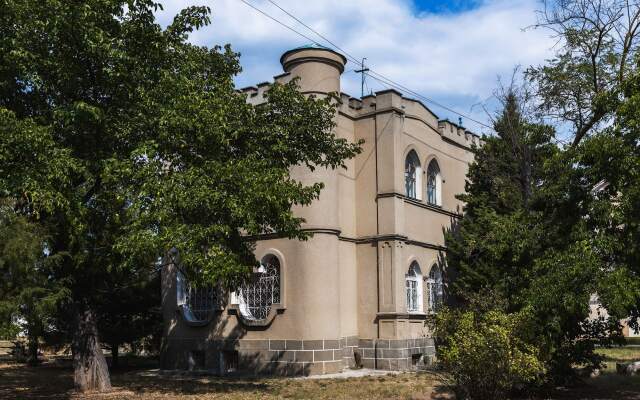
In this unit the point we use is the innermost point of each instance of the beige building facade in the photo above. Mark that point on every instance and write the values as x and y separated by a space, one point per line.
358 292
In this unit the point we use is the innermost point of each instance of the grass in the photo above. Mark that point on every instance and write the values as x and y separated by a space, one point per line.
141 382
53 382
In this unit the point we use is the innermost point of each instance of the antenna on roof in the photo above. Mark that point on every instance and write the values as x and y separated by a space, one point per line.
362 71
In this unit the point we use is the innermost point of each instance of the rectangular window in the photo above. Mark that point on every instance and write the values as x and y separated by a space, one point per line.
412 295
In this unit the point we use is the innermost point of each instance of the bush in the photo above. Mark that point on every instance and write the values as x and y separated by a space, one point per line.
485 354
8 331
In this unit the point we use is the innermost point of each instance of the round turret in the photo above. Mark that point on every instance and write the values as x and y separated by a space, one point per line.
319 68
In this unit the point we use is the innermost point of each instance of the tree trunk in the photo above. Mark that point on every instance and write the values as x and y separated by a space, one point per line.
114 356
32 358
90 367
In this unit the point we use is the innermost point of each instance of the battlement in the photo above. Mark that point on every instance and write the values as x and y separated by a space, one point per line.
319 69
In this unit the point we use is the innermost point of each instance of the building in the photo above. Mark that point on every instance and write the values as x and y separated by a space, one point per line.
359 291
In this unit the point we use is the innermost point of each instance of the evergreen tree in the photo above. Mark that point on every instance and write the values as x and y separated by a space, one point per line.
526 242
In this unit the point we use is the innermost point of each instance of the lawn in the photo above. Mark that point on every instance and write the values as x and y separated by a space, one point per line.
55 382
51 382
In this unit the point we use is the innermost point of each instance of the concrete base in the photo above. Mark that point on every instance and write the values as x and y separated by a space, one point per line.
293 357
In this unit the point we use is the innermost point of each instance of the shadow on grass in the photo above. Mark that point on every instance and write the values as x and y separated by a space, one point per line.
51 381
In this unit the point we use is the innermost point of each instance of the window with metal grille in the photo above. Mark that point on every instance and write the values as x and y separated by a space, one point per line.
198 303
435 289
256 296
413 287
412 175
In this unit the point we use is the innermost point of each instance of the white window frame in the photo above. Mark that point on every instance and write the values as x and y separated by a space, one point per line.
413 288
434 183
435 289
413 176
185 292
267 274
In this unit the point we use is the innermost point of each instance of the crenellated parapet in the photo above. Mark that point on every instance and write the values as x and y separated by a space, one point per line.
458 134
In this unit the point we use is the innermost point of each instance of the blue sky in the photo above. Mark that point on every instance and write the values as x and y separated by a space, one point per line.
445 6
453 51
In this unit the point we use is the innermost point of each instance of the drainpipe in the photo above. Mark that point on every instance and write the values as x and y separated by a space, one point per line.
375 144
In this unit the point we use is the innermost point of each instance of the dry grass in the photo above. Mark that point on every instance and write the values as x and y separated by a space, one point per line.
51 382
54 382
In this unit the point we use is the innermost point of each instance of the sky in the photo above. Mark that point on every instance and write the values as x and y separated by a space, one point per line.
451 51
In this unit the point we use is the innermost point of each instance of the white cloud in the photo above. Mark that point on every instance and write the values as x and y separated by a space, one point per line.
452 58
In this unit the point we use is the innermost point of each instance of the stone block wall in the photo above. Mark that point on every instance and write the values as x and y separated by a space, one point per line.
294 357
395 354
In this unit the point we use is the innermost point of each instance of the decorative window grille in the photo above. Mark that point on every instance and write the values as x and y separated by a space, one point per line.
258 295
413 288
412 174
198 303
435 289
434 182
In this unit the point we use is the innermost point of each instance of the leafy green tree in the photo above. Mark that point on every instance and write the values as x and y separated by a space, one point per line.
529 239
121 140
597 42
610 162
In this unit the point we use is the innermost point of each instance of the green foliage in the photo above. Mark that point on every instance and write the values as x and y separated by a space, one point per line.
28 295
595 57
120 140
8 330
611 157
485 353
530 238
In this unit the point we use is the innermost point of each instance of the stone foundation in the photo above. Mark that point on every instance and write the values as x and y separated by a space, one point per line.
396 354
293 357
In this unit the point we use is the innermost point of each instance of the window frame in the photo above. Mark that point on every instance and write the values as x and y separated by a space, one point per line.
413 178
434 282
238 305
434 183
185 292
413 289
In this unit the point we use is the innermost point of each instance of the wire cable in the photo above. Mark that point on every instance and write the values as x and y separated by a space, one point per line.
373 74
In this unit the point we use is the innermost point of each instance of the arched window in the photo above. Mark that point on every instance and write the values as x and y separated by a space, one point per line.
434 184
256 296
413 176
413 285
435 289
198 303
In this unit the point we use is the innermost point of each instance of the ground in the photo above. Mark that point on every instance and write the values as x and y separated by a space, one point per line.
52 381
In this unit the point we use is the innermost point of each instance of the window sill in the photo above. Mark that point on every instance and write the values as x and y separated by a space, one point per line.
405 315
234 309
197 323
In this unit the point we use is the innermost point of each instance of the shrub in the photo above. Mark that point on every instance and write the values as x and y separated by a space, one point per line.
485 354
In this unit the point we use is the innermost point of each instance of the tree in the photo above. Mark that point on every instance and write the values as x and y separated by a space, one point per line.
495 243
28 296
527 241
598 41
130 311
122 140
610 161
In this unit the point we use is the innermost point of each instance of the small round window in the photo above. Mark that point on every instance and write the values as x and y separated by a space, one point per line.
257 295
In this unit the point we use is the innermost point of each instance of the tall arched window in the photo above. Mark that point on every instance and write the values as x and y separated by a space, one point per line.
198 303
435 289
256 296
413 176
413 285
434 184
